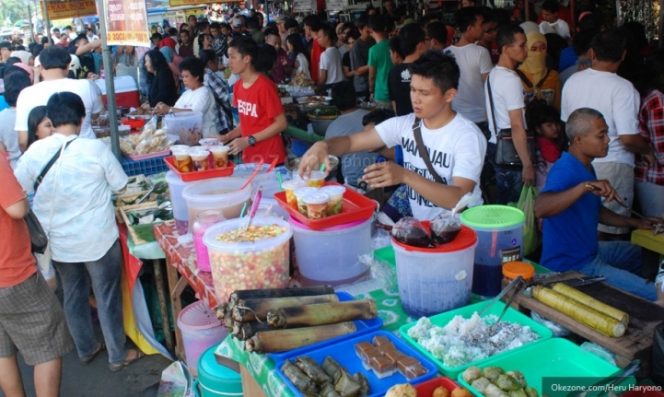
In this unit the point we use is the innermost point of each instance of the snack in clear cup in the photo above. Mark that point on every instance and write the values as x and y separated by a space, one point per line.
289 188
336 193
316 204
199 158
181 158
316 179
219 155
207 143
300 193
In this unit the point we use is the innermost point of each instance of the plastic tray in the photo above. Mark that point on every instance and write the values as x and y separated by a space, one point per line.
344 353
355 208
511 316
200 175
362 326
555 357
426 389
134 123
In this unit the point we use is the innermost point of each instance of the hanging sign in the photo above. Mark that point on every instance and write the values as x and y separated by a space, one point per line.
69 9
127 23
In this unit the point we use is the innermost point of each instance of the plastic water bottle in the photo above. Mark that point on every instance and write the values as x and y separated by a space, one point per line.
659 280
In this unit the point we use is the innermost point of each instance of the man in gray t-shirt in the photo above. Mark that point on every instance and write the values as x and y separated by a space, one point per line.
359 57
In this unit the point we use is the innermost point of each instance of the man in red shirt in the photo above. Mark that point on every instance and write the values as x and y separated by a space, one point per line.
31 319
256 98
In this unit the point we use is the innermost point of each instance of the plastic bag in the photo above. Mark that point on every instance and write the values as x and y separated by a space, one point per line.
445 227
176 381
526 204
410 231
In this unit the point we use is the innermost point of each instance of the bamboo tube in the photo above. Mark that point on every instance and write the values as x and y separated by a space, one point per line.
591 302
578 311
322 313
279 292
287 339
256 309
244 331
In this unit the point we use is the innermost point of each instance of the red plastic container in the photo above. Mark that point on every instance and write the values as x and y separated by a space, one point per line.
135 124
426 389
355 208
200 175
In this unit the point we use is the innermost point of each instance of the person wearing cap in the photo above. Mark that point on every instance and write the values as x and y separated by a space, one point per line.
55 63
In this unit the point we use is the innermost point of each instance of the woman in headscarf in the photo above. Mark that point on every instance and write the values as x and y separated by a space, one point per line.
539 81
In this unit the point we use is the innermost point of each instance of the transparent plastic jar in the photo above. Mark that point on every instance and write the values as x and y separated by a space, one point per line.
204 220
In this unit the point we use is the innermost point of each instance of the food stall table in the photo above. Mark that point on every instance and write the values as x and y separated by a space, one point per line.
648 240
181 270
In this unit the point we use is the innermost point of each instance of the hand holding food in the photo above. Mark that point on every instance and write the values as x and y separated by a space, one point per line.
313 158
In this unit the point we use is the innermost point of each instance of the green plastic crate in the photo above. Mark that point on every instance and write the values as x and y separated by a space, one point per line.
555 357
511 316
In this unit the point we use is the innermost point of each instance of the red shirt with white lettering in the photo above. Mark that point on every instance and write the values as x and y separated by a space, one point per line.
258 107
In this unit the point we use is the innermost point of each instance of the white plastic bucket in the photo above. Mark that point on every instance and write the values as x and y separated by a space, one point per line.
437 280
222 194
331 256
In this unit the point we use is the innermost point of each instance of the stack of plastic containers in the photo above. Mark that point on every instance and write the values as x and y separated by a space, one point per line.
499 231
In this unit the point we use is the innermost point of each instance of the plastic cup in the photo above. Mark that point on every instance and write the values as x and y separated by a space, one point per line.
219 155
182 158
316 204
336 194
209 142
289 188
300 193
199 158
316 179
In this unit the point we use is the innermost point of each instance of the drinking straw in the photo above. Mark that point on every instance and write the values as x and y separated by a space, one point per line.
244 209
280 180
322 167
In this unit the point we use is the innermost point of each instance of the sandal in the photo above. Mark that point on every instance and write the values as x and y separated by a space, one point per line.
114 367
88 359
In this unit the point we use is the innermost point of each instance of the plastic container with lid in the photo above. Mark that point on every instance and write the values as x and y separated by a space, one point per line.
200 329
499 231
216 194
263 263
512 270
184 127
204 220
176 187
216 380
316 204
331 256
266 181
435 280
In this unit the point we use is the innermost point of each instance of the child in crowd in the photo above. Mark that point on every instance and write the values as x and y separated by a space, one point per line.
545 120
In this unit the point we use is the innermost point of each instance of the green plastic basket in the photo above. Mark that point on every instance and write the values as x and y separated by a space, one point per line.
511 316
555 358
492 217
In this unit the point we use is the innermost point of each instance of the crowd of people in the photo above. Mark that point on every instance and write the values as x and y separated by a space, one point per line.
481 109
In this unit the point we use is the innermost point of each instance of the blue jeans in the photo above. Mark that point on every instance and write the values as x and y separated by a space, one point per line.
620 263
105 275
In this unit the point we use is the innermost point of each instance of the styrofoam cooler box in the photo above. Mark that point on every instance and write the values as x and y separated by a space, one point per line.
126 92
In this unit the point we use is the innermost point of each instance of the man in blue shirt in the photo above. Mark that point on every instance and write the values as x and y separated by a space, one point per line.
571 205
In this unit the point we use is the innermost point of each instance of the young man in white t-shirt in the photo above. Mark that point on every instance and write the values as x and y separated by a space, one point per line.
475 64
454 144
54 69
551 23
331 71
508 111
600 88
